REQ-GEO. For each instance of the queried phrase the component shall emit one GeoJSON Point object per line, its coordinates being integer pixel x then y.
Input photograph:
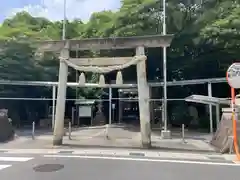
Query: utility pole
{"type": "Point", "coordinates": [64, 20]}
{"type": "Point", "coordinates": [165, 132]}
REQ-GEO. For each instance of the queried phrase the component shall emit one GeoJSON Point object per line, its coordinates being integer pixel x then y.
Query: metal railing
{"type": "Point", "coordinates": [151, 84]}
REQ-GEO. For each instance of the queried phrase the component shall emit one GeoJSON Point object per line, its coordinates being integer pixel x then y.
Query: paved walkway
{"type": "Point", "coordinates": [118, 137]}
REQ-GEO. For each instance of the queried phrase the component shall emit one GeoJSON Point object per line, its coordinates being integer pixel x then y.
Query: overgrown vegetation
{"type": "Point", "coordinates": [206, 42]}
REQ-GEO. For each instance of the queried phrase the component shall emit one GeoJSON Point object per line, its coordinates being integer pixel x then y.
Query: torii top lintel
{"type": "Point", "coordinates": [108, 43]}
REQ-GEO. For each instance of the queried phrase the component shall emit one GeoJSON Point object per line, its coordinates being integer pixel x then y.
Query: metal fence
{"type": "Point", "coordinates": [178, 109]}
{"type": "Point", "coordinates": [115, 110]}
{"type": "Point", "coordinates": [180, 112]}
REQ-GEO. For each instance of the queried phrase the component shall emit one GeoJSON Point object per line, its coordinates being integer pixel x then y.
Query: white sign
{"type": "Point", "coordinates": [2, 114]}
{"type": "Point", "coordinates": [233, 75]}
{"type": "Point", "coordinates": [85, 111]}
{"type": "Point", "coordinates": [113, 106]}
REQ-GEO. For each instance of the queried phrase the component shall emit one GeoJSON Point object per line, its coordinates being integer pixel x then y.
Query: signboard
{"type": "Point", "coordinates": [3, 112]}
{"type": "Point", "coordinates": [85, 111]}
{"type": "Point", "coordinates": [233, 75]}
{"type": "Point", "coordinates": [206, 100]}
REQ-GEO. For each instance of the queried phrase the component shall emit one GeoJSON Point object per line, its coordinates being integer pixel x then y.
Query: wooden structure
{"type": "Point", "coordinates": [128, 105]}
{"type": "Point", "coordinates": [84, 112]}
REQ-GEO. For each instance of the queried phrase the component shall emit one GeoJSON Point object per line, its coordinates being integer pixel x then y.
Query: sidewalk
{"type": "Point", "coordinates": [45, 141]}
{"type": "Point", "coordinates": [116, 136]}
{"type": "Point", "coordinates": [111, 152]}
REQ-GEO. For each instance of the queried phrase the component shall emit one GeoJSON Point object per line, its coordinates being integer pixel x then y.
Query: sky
{"type": "Point", "coordinates": [53, 9]}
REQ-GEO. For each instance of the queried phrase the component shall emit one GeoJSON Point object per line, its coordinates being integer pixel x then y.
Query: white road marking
{"type": "Point", "coordinates": [17, 159]}
{"type": "Point", "coordinates": [12, 159]}
{"type": "Point", "coordinates": [116, 152]}
{"type": "Point", "coordinates": [4, 166]}
{"type": "Point", "coordinates": [141, 159]}
{"type": "Point", "coordinates": [32, 151]}
{"type": "Point", "coordinates": [150, 154]}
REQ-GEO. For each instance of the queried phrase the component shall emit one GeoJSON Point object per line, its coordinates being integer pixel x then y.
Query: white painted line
{"type": "Point", "coordinates": [182, 156]}
{"type": "Point", "coordinates": [18, 159]}
{"type": "Point", "coordinates": [148, 154]}
{"type": "Point", "coordinates": [115, 152]}
{"type": "Point", "coordinates": [102, 152]}
{"type": "Point", "coordinates": [140, 159]}
{"type": "Point", "coordinates": [32, 151]}
{"type": "Point", "coordinates": [4, 166]}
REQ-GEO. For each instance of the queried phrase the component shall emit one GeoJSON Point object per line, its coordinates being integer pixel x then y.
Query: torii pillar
{"type": "Point", "coordinates": [143, 100]}
{"type": "Point", "coordinates": [137, 42]}
{"type": "Point", "coordinates": [61, 97]}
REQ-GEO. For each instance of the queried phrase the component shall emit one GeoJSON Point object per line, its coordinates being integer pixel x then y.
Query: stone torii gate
{"type": "Point", "coordinates": [98, 65]}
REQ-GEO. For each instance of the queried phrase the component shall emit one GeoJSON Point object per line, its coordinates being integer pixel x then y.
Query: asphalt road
{"type": "Point", "coordinates": [68, 167]}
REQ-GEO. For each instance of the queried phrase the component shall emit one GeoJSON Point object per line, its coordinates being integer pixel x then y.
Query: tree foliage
{"type": "Point", "coordinates": [206, 39]}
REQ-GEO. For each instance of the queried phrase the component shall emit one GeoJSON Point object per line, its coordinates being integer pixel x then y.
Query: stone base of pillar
{"type": "Point", "coordinates": [146, 145]}
{"type": "Point", "coordinates": [166, 134]}
{"type": "Point", "coordinates": [57, 142]}
{"type": "Point", "coordinates": [65, 132]}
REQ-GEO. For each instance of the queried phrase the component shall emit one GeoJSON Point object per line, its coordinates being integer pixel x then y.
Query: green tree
{"type": "Point", "coordinates": [206, 41]}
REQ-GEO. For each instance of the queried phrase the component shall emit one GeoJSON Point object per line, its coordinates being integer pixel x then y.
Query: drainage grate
{"type": "Point", "coordinates": [136, 154]}
{"type": "Point", "coordinates": [65, 152]}
{"type": "Point", "coordinates": [48, 167]}
{"type": "Point", "coordinates": [216, 158]}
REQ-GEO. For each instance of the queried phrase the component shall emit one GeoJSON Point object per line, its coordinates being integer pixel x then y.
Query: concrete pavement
{"type": "Point", "coordinates": [37, 159]}
{"type": "Point", "coordinates": [9, 161]}
{"type": "Point", "coordinates": [119, 136]}
{"type": "Point", "coordinates": [93, 167]}
{"type": "Point", "coordinates": [121, 153]}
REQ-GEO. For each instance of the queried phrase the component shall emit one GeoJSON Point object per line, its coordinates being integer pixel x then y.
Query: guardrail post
{"type": "Point", "coordinates": [69, 130]}
{"type": "Point", "coordinates": [183, 133]}
{"type": "Point", "coordinates": [33, 130]}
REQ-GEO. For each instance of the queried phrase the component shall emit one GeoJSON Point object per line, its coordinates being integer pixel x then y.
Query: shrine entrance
{"type": "Point", "coordinates": [103, 65]}
{"type": "Point", "coordinates": [128, 106]}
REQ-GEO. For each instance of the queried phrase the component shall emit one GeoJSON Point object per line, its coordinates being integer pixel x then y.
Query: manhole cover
{"type": "Point", "coordinates": [136, 154]}
{"type": "Point", "coordinates": [48, 167]}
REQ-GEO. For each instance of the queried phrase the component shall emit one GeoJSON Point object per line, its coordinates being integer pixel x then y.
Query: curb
{"type": "Point", "coordinates": [152, 148]}
{"type": "Point", "coordinates": [108, 153]}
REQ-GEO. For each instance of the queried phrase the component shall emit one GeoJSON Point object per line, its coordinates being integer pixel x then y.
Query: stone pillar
{"type": "Point", "coordinates": [61, 98]}
{"type": "Point", "coordinates": [143, 100]}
